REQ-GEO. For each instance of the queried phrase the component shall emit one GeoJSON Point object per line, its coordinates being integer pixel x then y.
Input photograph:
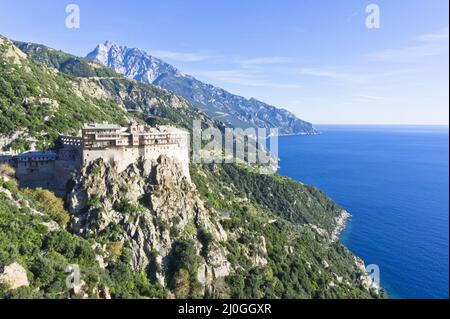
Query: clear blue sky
{"type": "Point", "coordinates": [315, 58]}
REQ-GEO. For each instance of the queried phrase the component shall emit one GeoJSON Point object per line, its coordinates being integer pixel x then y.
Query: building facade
{"type": "Point", "coordinates": [49, 169]}
{"type": "Point", "coordinates": [124, 146]}
{"type": "Point", "coordinates": [112, 143]}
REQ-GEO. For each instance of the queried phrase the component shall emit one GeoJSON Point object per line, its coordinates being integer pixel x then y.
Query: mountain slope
{"type": "Point", "coordinates": [157, 105]}
{"type": "Point", "coordinates": [233, 110]}
{"type": "Point", "coordinates": [228, 244]}
{"type": "Point", "coordinates": [37, 102]}
{"type": "Point", "coordinates": [32, 241]}
{"type": "Point", "coordinates": [147, 232]}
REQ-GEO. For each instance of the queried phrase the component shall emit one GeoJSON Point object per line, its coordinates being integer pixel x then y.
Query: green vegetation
{"type": "Point", "coordinates": [127, 284]}
{"type": "Point", "coordinates": [144, 102]}
{"type": "Point", "coordinates": [94, 201]}
{"type": "Point", "coordinates": [126, 207]}
{"type": "Point", "coordinates": [205, 238]}
{"type": "Point", "coordinates": [300, 262]}
{"type": "Point", "coordinates": [48, 203]}
{"type": "Point", "coordinates": [45, 255]}
{"type": "Point", "coordinates": [270, 216]}
{"type": "Point", "coordinates": [64, 62]}
{"type": "Point", "coordinates": [183, 270]}
{"type": "Point", "coordinates": [280, 195]}
{"type": "Point", "coordinates": [39, 103]}
{"type": "Point", "coordinates": [299, 274]}
{"type": "Point", "coordinates": [115, 249]}
{"type": "Point", "coordinates": [43, 104]}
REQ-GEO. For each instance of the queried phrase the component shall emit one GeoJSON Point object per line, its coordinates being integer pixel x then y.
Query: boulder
{"type": "Point", "coordinates": [15, 276]}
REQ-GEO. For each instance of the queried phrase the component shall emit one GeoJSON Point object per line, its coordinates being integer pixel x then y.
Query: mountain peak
{"type": "Point", "coordinates": [217, 103]}
{"type": "Point", "coordinates": [132, 62]}
{"type": "Point", "coordinates": [109, 44]}
{"type": "Point", "coordinates": [112, 45]}
{"type": "Point", "coordinates": [102, 52]}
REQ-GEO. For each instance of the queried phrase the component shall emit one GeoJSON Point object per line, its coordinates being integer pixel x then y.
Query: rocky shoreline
{"type": "Point", "coordinates": [365, 279]}
{"type": "Point", "coordinates": [371, 284]}
{"type": "Point", "coordinates": [341, 221]}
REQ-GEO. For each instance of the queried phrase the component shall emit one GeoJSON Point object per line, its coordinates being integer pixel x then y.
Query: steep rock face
{"type": "Point", "coordinates": [129, 62]}
{"type": "Point", "coordinates": [235, 111]}
{"type": "Point", "coordinates": [150, 206]}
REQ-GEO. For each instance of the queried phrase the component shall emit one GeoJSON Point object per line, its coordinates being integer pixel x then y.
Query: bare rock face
{"type": "Point", "coordinates": [364, 278]}
{"type": "Point", "coordinates": [15, 276]}
{"type": "Point", "coordinates": [152, 205]}
{"type": "Point", "coordinates": [260, 253]}
{"type": "Point", "coordinates": [12, 51]}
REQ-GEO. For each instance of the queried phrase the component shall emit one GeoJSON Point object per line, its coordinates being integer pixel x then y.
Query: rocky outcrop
{"type": "Point", "coordinates": [12, 52]}
{"type": "Point", "coordinates": [366, 280]}
{"type": "Point", "coordinates": [258, 255]}
{"type": "Point", "coordinates": [340, 222]}
{"type": "Point", "coordinates": [14, 276]}
{"type": "Point", "coordinates": [153, 205]}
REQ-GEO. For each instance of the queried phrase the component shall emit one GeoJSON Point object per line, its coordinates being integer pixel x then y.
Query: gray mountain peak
{"type": "Point", "coordinates": [236, 111]}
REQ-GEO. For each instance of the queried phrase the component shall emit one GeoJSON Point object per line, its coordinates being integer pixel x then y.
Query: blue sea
{"type": "Point", "coordinates": [394, 180]}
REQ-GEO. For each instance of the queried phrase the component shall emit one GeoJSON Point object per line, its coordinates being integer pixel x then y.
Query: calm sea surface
{"type": "Point", "coordinates": [394, 180]}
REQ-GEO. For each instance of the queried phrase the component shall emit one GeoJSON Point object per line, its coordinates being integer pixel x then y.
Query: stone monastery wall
{"type": "Point", "coordinates": [124, 156]}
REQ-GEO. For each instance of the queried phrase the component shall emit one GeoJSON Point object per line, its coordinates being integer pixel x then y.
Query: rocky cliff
{"type": "Point", "coordinates": [148, 232]}
{"type": "Point", "coordinates": [149, 207]}
{"type": "Point", "coordinates": [195, 244]}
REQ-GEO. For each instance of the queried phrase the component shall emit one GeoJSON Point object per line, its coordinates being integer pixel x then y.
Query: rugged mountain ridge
{"type": "Point", "coordinates": [236, 111]}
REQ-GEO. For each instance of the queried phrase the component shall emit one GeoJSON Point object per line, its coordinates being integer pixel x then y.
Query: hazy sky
{"type": "Point", "coordinates": [315, 58]}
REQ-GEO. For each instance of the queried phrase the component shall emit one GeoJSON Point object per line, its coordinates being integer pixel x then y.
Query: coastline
{"type": "Point", "coordinates": [300, 134]}
{"type": "Point", "coordinates": [366, 280]}
{"type": "Point", "coordinates": [366, 276]}
{"type": "Point", "coordinates": [341, 222]}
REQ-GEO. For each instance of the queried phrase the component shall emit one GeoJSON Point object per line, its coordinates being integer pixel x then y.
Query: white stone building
{"type": "Point", "coordinates": [124, 146]}
{"type": "Point", "coordinates": [112, 143]}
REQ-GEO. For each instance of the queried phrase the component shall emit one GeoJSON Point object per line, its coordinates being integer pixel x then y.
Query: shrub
{"type": "Point", "coordinates": [183, 268]}
{"type": "Point", "coordinates": [205, 239]}
{"type": "Point", "coordinates": [94, 202]}
{"type": "Point", "coordinates": [61, 242]}
{"type": "Point", "coordinates": [47, 202]}
{"type": "Point", "coordinates": [7, 170]}
{"type": "Point", "coordinates": [126, 207]}
{"type": "Point", "coordinates": [181, 284]}
{"type": "Point", "coordinates": [115, 249]}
